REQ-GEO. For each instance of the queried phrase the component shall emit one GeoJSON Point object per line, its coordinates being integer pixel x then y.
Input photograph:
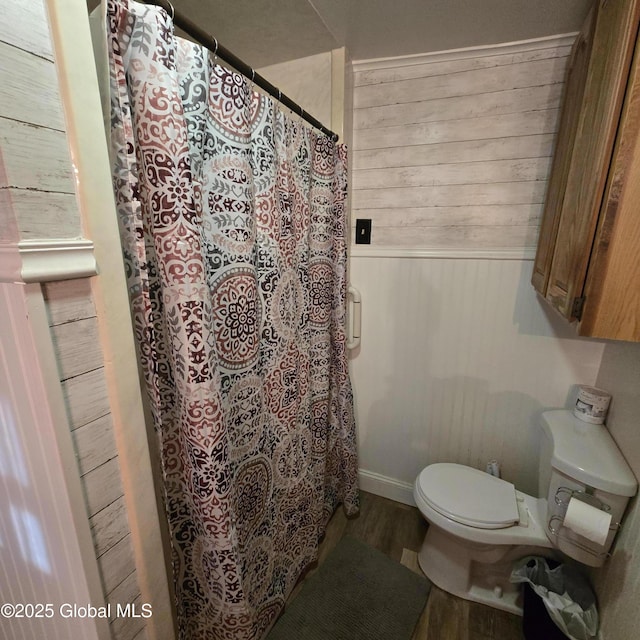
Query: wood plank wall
{"type": "Point", "coordinates": [37, 192]}
{"type": "Point", "coordinates": [74, 328]}
{"type": "Point", "coordinates": [36, 175]}
{"type": "Point", "coordinates": [456, 152]}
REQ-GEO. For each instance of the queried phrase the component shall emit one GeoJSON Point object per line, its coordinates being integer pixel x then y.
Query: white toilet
{"type": "Point", "coordinates": [479, 525]}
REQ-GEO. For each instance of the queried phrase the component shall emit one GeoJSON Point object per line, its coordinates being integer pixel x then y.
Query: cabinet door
{"type": "Point", "coordinates": [613, 41]}
{"type": "Point", "coordinates": [612, 307]}
{"type": "Point", "coordinates": [576, 78]}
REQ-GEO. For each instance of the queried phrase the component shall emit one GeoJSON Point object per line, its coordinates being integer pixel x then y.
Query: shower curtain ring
{"type": "Point", "coordinates": [215, 51]}
{"type": "Point", "coordinates": [173, 11]}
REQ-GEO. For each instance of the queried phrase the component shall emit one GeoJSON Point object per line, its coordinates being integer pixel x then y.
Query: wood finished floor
{"type": "Point", "coordinates": [396, 530]}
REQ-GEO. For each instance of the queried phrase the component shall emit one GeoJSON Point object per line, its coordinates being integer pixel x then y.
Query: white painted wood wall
{"type": "Point", "coordinates": [38, 201]}
{"type": "Point", "coordinates": [617, 584]}
{"type": "Point", "coordinates": [458, 356]}
{"type": "Point", "coordinates": [306, 81]}
{"type": "Point", "coordinates": [321, 85]}
{"type": "Point", "coordinates": [454, 149]}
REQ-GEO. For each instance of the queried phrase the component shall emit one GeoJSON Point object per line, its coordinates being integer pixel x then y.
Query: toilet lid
{"type": "Point", "coordinates": [469, 496]}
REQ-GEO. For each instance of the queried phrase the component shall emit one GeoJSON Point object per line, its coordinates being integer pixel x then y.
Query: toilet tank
{"type": "Point", "coordinates": [581, 460]}
{"type": "Point", "coordinates": [544, 462]}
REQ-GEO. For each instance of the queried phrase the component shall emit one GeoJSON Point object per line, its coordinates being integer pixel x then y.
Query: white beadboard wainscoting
{"type": "Point", "coordinates": [45, 545]}
{"type": "Point", "coordinates": [457, 360]}
{"type": "Point", "coordinates": [453, 149]}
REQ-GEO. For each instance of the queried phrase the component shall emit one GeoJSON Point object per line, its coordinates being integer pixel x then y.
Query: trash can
{"type": "Point", "coordinates": [558, 601]}
{"type": "Point", "coordinates": [536, 622]}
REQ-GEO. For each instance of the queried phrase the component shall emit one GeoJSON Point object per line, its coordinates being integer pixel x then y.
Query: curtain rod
{"type": "Point", "coordinates": [212, 44]}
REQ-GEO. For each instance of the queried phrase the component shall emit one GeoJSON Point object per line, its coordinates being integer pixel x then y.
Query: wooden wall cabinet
{"type": "Point", "coordinates": [587, 263]}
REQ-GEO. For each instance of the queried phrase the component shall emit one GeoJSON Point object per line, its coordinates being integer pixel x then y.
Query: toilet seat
{"type": "Point", "coordinates": [468, 496]}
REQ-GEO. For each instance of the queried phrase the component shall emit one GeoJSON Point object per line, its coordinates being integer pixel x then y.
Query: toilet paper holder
{"type": "Point", "coordinates": [564, 495]}
{"type": "Point", "coordinates": [557, 522]}
{"type": "Point", "coordinates": [562, 498]}
{"type": "Point", "coordinates": [555, 527]}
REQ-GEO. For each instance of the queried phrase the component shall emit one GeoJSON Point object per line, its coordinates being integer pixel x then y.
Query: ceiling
{"type": "Point", "coordinates": [264, 32]}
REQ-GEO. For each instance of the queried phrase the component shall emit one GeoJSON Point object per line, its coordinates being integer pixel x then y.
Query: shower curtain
{"type": "Point", "coordinates": [233, 232]}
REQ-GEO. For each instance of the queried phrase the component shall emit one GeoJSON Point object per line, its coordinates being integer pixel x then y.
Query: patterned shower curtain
{"type": "Point", "coordinates": [233, 232]}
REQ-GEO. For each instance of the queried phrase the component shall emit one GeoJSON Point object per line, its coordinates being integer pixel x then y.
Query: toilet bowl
{"type": "Point", "coordinates": [480, 525]}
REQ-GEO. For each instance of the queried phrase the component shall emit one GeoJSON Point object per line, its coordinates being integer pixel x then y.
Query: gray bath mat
{"type": "Point", "coordinates": [358, 593]}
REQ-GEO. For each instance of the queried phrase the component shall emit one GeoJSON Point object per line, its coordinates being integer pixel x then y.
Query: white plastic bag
{"type": "Point", "coordinates": [566, 595]}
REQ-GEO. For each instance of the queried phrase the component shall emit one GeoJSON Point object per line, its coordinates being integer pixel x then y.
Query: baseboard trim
{"type": "Point", "coordinates": [386, 487]}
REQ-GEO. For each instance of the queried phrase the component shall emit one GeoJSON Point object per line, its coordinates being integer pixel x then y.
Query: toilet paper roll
{"type": "Point", "coordinates": [588, 521]}
{"type": "Point", "coordinates": [592, 404]}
